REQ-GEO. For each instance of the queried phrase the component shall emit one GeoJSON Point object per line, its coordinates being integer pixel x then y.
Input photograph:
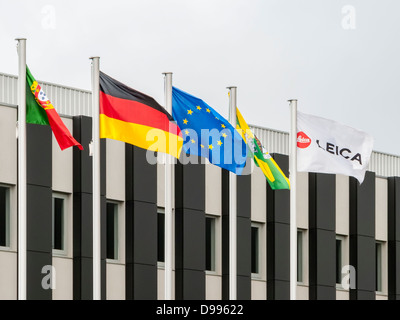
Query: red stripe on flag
{"type": "Point", "coordinates": [60, 131]}
{"type": "Point", "coordinates": [135, 112]}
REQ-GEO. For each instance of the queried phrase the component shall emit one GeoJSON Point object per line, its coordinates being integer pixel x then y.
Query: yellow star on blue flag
{"type": "Point", "coordinates": [206, 127]}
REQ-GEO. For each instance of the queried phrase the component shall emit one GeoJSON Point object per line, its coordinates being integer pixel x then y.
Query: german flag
{"type": "Point", "coordinates": [130, 116]}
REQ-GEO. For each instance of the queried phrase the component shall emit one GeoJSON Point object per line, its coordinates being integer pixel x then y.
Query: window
{"type": "Point", "coordinates": [4, 216]}
{"type": "Point", "coordinates": [339, 260]}
{"type": "Point", "coordinates": [210, 244]}
{"type": "Point", "coordinates": [300, 257]}
{"type": "Point", "coordinates": [112, 230]}
{"type": "Point", "coordinates": [378, 266]}
{"type": "Point", "coordinates": [255, 249]}
{"type": "Point", "coordinates": [58, 223]}
{"type": "Point", "coordinates": [160, 235]}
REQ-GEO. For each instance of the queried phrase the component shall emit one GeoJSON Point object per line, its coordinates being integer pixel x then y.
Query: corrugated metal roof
{"type": "Point", "coordinates": [67, 100]}
{"type": "Point", "coordinates": [72, 101]}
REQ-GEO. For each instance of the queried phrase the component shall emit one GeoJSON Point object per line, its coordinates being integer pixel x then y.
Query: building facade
{"type": "Point", "coordinates": [348, 234]}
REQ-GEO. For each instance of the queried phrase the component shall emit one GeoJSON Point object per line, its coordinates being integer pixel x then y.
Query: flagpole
{"type": "Point", "coordinates": [168, 197]}
{"type": "Point", "coordinates": [96, 179]}
{"type": "Point", "coordinates": [22, 219]}
{"type": "Point", "coordinates": [232, 208]}
{"type": "Point", "coordinates": [293, 199]}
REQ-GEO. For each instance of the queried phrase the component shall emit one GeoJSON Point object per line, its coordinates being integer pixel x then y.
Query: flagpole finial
{"type": "Point", "coordinates": [231, 87]}
{"type": "Point", "coordinates": [18, 39]}
{"type": "Point", "coordinates": [167, 73]}
{"type": "Point", "coordinates": [94, 57]}
{"type": "Point", "coordinates": [290, 100]}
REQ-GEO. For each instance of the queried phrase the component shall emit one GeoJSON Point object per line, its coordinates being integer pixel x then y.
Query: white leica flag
{"type": "Point", "coordinates": [327, 146]}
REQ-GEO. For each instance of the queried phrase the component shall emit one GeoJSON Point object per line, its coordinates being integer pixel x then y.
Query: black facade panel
{"type": "Point", "coordinates": [190, 239]}
{"type": "Point", "coordinates": [322, 293]}
{"type": "Point", "coordinates": [326, 258]}
{"type": "Point", "coordinates": [244, 248]}
{"type": "Point", "coordinates": [362, 295]}
{"type": "Point", "coordinates": [129, 232]}
{"type": "Point", "coordinates": [83, 211]}
{"type": "Point", "coordinates": [278, 252]}
{"type": "Point", "coordinates": [83, 278]}
{"type": "Point", "coordinates": [39, 155]}
{"type": "Point", "coordinates": [145, 233]}
{"type": "Point", "coordinates": [140, 173]}
{"type": "Point", "coordinates": [366, 263]}
{"type": "Point", "coordinates": [145, 282]}
{"type": "Point", "coordinates": [362, 236]}
{"type": "Point", "coordinates": [243, 288]}
{"type": "Point", "coordinates": [394, 238]}
{"type": "Point", "coordinates": [39, 219]}
{"type": "Point", "coordinates": [145, 177]}
{"type": "Point", "coordinates": [322, 258]}
{"type": "Point", "coordinates": [362, 206]}
{"type": "Point", "coordinates": [190, 285]}
{"type": "Point", "coordinates": [190, 186]}
{"type": "Point", "coordinates": [129, 274]}
{"type": "Point", "coordinates": [243, 224]}
{"type": "Point", "coordinates": [82, 132]}
{"type": "Point", "coordinates": [278, 201]}
{"type": "Point", "coordinates": [243, 198]}
{"type": "Point", "coordinates": [322, 201]}
{"type": "Point", "coordinates": [83, 240]}
{"type": "Point", "coordinates": [36, 261]}
{"type": "Point", "coordinates": [278, 290]}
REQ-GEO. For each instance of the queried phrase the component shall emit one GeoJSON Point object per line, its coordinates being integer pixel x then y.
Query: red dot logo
{"type": "Point", "coordinates": [303, 141]}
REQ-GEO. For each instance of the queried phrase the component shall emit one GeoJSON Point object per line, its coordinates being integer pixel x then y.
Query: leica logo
{"type": "Point", "coordinates": [303, 141]}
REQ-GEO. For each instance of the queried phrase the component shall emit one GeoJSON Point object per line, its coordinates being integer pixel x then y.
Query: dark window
{"type": "Point", "coordinates": [338, 261]}
{"type": "Point", "coordinates": [210, 244]}
{"type": "Point", "coordinates": [112, 231]}
{"type": "Point", "coordinates": [299, 256]}
{"type": "Point", "coordinates": [58, 223]}
{"type": "Point", "coordinates": [161, 237]}
{"type": "Point", "coordinates": [254, 250]}
{"type": "Point", "coordinates": [4, 216]}
{"type": "Point", "coordinates": [378, 266]}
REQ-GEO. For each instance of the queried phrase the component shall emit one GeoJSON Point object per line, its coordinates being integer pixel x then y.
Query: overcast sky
{"type": "Point", "coordinates": [340, 59]}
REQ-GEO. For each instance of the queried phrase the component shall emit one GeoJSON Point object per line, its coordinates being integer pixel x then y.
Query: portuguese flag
{"type": "Point", "coordinates": [275, 177]}
{"type": "Point", "coordinates": [39, 110]}
{"type": "Point", "coordinates": [130, 116]}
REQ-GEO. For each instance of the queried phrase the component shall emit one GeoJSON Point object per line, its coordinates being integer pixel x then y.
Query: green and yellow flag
{"type": "Point", "coordinates": [276, 178]}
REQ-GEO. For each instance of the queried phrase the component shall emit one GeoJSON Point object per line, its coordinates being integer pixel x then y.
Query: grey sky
{"type": "Point", "coordinates": [272, 50]}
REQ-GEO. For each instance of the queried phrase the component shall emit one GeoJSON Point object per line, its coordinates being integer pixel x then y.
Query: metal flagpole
{"type": "Point", "coordinates": [22, 270]}
{"type": "Point", "coordinates": [168, 197]}
{"type": "Point", "coordinates": [232, 209]}
{"type": "Point", "coordinates": [293, 199]}
{"type": "Point", "coordinates": [96, 179]}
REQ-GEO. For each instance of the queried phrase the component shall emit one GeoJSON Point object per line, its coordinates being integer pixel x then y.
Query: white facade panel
{"type": "Point", "coordinates": [115, 285]}
{"type": "Point", "coordinates": [115, 171]}
{"type": "Point", "coordinates": [213, 287]}
{"type": "Point", "coordinates": [258, 196]}
{"type": "Point", "coordinates": [8, 145]}
{"type": "Point", "coordinates": [381, 209]}
{"type": "Point", "coordinates": [8, 275]}
{"type": "Point", "coordinates": [342, 204]}
{"type": "Point", "coordinates": [258, 290]}
{"type": "Point", "coordinates": [64, 278]}
{"type": "Point", "coordinates": [62, 163]}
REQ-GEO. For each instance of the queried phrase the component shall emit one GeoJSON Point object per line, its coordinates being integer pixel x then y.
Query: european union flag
{"type": "Point", "coordinates": [206, 133]}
